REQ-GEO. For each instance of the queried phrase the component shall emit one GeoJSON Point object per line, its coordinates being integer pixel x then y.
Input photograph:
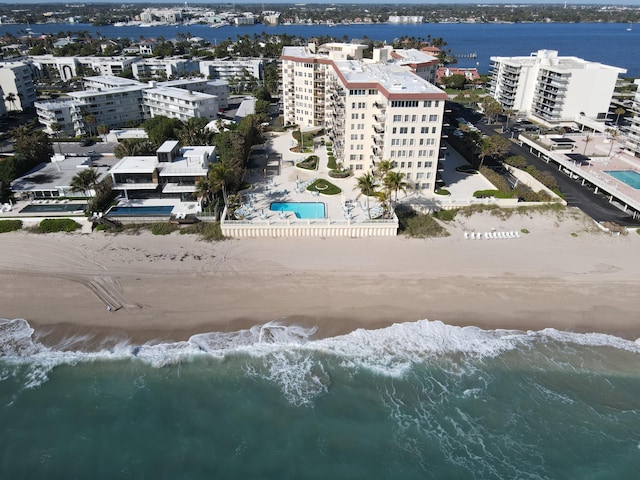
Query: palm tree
{"type": "Point", "coordinates": [395, 181]}
{"type": "Point", "coordinates": [220, 176]}
{"type": "Point", "coordinates": [613, 133]}
{"type": "Point", "coordinates": [103, 130]}
{"type": "Point", "coordinates": [619, 111]}
{"type": "Point", "coordinates": [587, 139]}
{"type": "Point", "coordinates": [11, 98]}
{"type": "Point", "coordinates": [90, 122]}
{"type": "Point", "coordinates": [203, 190]}
{"type": "Point", "coordinates": [366, 183]}
{"type": "Point", "coordinates": [383, 167]}
{"type": "Point", "coordinates": [84, 181]}
{"type": "Point", "coordinates": [128, 147]}
{"type": "Point", "coordinates": [56, 128]}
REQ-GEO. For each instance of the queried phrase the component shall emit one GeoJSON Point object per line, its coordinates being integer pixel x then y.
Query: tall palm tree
{"type": "Point", "coordinates": [395, 182]}
{"type": "Point", "coordinates": [383, 167]}
{"type": "Point", "coordinates": [366, 183]}
{"type": "Point", "coordinates": [203, 190]}
{"type": "Point", "coordinates": [619, 111]}
{"type": "Point", "coordinates": [11, 98]}
{"type": "Point", "coordinates": [220, 176]}
{"type": "Point", "coordinates": [587, 139]}
{"type": "Point", "coordinates": [90, 122]}
{"type": "Point", "coordinates": [84, 181]}
{"type": "Point", "coordinates": [613, 133]}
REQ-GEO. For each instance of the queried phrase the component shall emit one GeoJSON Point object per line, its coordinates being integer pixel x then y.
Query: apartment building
{"type": "Point", "coordinates": [65, 68]}
{"type": "Point", "coordinates": [227, 69]}
{"type": "Point", "coordinates": [16, 83]}
{"type": "Point", "coordinates": [162, 68]}
{"type": "Point", "coordinates": [172, 173]}
{"type": "Point", "coordinates": [553, 89]}
{"type": "Point", "coordinates": [178, 103]}
{"type": "Point", "coordinates": [372, 110]}
{"type": "Point", "coordinates": [116, 101]}
{"type": "Point", "coordinates": [169, 15]}
{"type": "Point", "coordinates": [633, 131]}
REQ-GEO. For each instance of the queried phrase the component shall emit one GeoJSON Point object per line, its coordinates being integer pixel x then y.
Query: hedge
{"type": "Point", "coordinates": [53, 225]}
{"type": "Point", "coordinates": [10, 225]}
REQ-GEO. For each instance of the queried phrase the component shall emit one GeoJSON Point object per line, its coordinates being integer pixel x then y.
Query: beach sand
{"type": "Point", "coordinates": [564, 274]}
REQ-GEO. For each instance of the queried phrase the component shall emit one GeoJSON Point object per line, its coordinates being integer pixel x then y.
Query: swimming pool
{"type": "Point", "coordinates": [144, 211]}
{"type": "Point", "coordinates": [301, 209]}
{"type": "Point", "coordinates": [54, 208]}
{"type": "Point", "coordinates": [630, 177]}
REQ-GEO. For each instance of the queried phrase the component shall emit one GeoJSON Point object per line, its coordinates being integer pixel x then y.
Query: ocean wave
{"type": "Point", "coordinates": [290, 356]}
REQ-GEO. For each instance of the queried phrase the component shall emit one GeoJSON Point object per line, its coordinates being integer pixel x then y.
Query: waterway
{"type": "Point", "coordinates": [608, 43]}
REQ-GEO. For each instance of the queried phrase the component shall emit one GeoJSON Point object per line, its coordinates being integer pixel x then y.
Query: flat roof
{"type": "Point", "coordinates": [54, 175]}
{"type": "Point", "coordinates": [394, 78]}
{"type": "Point", "coordinates": [179, 93]}
{"type": "Point", "coordinates": [143, 164]}
{"type": "Point", "coordinates": [167, 146]}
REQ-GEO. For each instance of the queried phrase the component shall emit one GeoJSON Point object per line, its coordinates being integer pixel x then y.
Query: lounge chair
{"type": "Point", "coordinates": [466, 235]}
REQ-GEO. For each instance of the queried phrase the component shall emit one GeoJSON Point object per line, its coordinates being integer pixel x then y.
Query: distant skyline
{"type": "Point", "coordinates": [631, 3]}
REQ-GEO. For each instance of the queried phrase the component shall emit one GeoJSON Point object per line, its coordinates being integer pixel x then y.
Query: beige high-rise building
{"type": "Point", "coordinates": [372, 109]}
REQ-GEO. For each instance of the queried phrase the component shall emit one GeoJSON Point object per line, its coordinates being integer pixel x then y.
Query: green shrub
{"type": "Point", "coordinates": [309, 163]}
{"type": "Point", "coordinates": [339, 173]}
{"type": "Point", "coordinates": [325, 187]}
{"type": "Point", "coordinates": [418, 225]}
{"type": "Point", "coordinates": [163, 228]}
{"type": "Point", "coordinates": [516, 161]}
{"type": "Point", "coordinates": [331, 163]}
{"type": "Point", "coordinates": [52, 225]}
{"type": "Point", "coordinates": [209, 231]}
{"type": "Point", "coordinates": [10, 225]}
{"type": "Point", "coordinates": [524, 230]}
{"type": "Point", "coordinates": [491, 193]}
{"type": "Point", "coordinates": [445, 215]}
{"type": "Point", "coordinates": [442, 191]}
{"type": "Point", "coordinates": [466, 169]}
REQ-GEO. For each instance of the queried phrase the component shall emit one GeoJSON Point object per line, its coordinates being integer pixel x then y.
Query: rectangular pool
{"type": "Point", "coordinates": [54, 208]}
{"type": "Point", "coordinates": [630, 177]}
{"type": "Point", "coordinates": [144, 211]}
{"type": "Point", "coordinates": [301, 209]}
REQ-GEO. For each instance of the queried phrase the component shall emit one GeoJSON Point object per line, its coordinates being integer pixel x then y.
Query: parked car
{"type": "Point", "coordinates": [85, 142]}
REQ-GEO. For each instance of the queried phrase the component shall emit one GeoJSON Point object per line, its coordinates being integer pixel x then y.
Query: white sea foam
{"type": "Point", "coordinates": [293, 359]}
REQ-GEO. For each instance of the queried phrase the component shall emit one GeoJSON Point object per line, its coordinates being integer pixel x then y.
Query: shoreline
{"type": "Point", "coordinates": [564, 275]}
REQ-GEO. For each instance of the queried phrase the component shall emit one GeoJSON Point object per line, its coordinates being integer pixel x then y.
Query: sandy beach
{"type": "Point", "coordinates": [564, 274]}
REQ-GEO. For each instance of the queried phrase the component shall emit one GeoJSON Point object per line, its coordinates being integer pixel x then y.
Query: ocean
{"type": "Point", "coordinates": [416, 400]}
{"type": "Point", "coordinates": [608, 43]}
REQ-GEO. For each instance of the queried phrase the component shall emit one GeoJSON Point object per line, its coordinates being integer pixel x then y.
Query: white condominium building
{"type": "Point", "coordinates": [633, 131]}
{"type": "Point", "coordinates": [372, 109]}
{"type": "Point", "coordinates": [17, 84]}
{"type": "Point", "coordinates": [551, 88]}
{"type": "Point", "coordinates": [178, 103]}
{"type": "Point", "coordinates": [65, 68]}
{"type": "Point", "coordinates": [116, 102]}
{"type": "Point", "coordinates": [227, 69]}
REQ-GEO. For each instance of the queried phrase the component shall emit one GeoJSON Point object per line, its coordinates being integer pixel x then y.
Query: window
{"type": "Point", "coordinates": [427, 103]}
{"type": "Point", "coordinates": [433, 118]}
{"type": "Point", "coordinates": [397, 118]}
{"type": "Point", "coordinates": [404, 130]}
{"type": "Point", "coordinates": [424, 130]}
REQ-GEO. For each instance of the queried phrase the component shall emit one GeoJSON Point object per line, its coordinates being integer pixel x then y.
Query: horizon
{"type": "Point", "coordinates": [627, 3]}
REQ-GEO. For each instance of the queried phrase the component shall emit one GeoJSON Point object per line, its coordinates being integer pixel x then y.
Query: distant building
{"type": "Point", "coordinates": [406, 19]}
{"type": "Point", "coordinates": [372, 110]}
{"type": "Point", "coordinates": [178, 103]}
{"type": "Point", "coordinates": [470, 74]}
{"type": "Point", "coordinates": [229, 69]}
{"type": "Point", "coordinates": [17, 83]}
{"type": "Point", "coordinates": [66, 68]}
{"type": "Point", "coordinates": [551, 88]}
{"type": "Point", "coordinates": [162, 68]}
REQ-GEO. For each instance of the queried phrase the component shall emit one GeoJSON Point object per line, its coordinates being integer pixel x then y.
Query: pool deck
{"type": "Point", "coordinates": [603, 154]}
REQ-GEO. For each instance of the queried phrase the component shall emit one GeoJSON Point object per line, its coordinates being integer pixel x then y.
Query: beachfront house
{"type": "Point", "coordinates": [172, 173]}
